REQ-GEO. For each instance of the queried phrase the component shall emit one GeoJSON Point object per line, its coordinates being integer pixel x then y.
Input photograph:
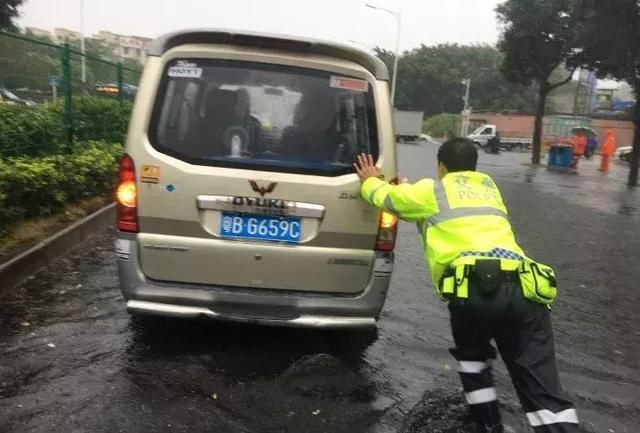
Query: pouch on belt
{"type": "Point", "coordinates": [538, 282]}
{"type": "Point", "coordinates": [488, 276]}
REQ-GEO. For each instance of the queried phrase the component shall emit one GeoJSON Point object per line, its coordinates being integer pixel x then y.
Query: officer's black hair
{"type": "Point", "coordinates": [458, 154]}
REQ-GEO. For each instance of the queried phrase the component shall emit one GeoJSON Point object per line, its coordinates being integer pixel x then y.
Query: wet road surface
{"type": "Point", "coordinates": [72, 360]}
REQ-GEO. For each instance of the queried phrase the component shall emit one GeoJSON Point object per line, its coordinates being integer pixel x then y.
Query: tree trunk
{"type": "Point", "coordinates": [635, 155]}
{"type": "Point", "coordinates": [537, 130]}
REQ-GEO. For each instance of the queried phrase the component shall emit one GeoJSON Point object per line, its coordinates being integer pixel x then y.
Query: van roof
{"type": "Point", "coordinates": [264, 40]}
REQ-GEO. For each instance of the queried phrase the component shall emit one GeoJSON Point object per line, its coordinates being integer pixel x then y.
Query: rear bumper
{"type": "Point", "coordinates": [248, 305]}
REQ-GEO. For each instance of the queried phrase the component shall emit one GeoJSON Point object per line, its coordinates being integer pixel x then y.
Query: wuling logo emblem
{"type": "Point", "coordinates": [262, 190]}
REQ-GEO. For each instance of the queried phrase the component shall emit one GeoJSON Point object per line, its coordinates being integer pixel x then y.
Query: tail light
{"type": "Point", "coordinates": [387, 232]}
{"type": "Point", "coordinates": [127, 196]}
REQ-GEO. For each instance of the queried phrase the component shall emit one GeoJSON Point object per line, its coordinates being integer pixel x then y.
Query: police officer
{"type": "Point", "coordinates": [493, 290]}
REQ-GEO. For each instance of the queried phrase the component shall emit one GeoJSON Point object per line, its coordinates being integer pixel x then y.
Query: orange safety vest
{"type": "Point", "coordinates": [609, 146]}
{"type": "Point", "coordinates": [579, 144]}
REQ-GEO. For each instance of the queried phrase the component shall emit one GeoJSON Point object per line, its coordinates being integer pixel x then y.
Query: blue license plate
{"type": "Point", "coordinates": [266, 228]}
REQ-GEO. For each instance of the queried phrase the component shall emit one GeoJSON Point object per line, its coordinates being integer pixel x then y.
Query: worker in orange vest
{"type": "Point", "coordinates": [608, 148]}
{"type": "Point", "coordinates": [579, 145]}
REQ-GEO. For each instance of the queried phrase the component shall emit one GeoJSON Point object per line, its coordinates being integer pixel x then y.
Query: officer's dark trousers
{"type": "Point", "coordinates": [522, 331]}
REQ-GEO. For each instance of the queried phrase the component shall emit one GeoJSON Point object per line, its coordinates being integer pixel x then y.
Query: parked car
{"type": "Point", "coordinates": [508, 140]}
{"type": "Point", "coordinates": [237, 197]}
{"type": "Point", "coordinates": [624, 153]}
{"type": "Point", "coordinates": [7, 97]}
{"type": "Point", "coordinates": [426, 138]}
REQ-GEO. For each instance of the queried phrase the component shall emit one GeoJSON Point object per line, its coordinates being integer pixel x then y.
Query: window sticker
{"type": "Point", "coordinates": [349, 84]}
{"type": "Point", "coordinates": [184, 69]}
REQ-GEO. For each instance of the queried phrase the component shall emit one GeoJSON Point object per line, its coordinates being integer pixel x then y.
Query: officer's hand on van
{"type": "Point", "coordinates": [399, 180]}
{"type": "Point", "coordinates": [365, 167]}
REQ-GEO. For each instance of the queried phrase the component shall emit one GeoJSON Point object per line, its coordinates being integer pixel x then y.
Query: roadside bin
{"type": "Point", "coordinates": [560, 156]}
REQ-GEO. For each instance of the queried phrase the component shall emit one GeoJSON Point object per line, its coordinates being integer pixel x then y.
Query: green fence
{"type": "Point", "coordinates": [36, 72]}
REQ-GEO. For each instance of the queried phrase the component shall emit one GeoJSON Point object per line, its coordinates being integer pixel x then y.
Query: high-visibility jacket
{"type": "Point", "coordinates": [460, 216]}
{"type": "Point", "coordinates": [609, 146]}
{"type": "Point", "coordinates": [579, 144]}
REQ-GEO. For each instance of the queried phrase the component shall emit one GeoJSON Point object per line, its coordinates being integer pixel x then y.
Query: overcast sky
{"type": "Point", "coordinates": [424, 21]}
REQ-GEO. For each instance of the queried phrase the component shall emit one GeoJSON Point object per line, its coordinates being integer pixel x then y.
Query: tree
{"type": "Point", "coordinates": [429, 80]}
{"type": "Point", "coordinates": [538, 38]}
{"type": "Point", "coordinates": [608, 35]}
{"type": "Point", "coordinates": [8, 12]}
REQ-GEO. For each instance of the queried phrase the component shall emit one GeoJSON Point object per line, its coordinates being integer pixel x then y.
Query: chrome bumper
{"type": "Point", "coordinates": [155, 308]}
{"type": "Point", "coordinates": [266, 307]}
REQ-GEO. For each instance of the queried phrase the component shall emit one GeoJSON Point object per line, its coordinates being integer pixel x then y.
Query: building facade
{"type": "Point", "coordinates": [41, 33]}
{"type": "Point", "coordinates": [122, 46]}
{"type": "Point", "coordinates": [62, 35]}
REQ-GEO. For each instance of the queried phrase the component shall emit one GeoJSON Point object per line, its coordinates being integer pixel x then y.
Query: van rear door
{"type": "Point", "coordinates": [255, 182]}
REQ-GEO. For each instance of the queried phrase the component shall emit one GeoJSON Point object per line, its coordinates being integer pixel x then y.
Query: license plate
{"type": "Point", "coordinates": [266, 228]}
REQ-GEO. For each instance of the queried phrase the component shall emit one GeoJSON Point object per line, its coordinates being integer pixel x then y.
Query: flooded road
{"type": "Point", "coordinates": [72, 360]}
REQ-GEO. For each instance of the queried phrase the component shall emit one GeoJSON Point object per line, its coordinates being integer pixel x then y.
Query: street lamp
{"type": "Point", "coordinates": [398, 16]}
{"type": "Point", "coordinates": [82, 47]}
{"type": "Point", "coordinates": [466, 111]}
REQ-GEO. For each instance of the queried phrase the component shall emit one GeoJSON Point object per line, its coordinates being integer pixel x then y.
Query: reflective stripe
{"type": "Point", "coordinates": [465, 212]}
{"type": "Point", "coordinates": [441, 197]}
{"type": "Point", "coordinates": [546, 417]}
{"type": "Point", "coordinates": [372, 193]}
{"type": "Point", "coordinates": [473, 366]}
{"type": "Point", "coordinates": [480, 396]}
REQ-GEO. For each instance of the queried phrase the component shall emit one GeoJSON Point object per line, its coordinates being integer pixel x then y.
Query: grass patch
{"type": "Point", "coordinates": [27, 233]}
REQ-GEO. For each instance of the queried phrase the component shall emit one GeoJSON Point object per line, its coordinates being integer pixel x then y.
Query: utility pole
{"type": "Point", "coordinates": [466, 111]}
{"type": "Point", "coordinates": [398, 16]}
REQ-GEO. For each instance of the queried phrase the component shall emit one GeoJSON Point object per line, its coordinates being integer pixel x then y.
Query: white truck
{"type": "Point", "coordinates": [408, 125]}
{"type": "Point", "coordinates": [508, 140]}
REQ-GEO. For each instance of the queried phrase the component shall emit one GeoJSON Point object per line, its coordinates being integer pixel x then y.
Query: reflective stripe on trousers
{"type": "Point", "coordinates": [547, 421]}
{"type": "Point", "coordinates": [526, 346]}
{"type": "Point", "coordinates": [480, 396]}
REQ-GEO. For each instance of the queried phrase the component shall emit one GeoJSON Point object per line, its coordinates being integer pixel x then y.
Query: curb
{"type": "Point", "coordinates": [41, 255]}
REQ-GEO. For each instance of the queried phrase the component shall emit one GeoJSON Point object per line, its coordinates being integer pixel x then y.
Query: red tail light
{"type": "Point", "coordinates": [127, 196]}
{"type": "Point", "coordinates": [387, 232]}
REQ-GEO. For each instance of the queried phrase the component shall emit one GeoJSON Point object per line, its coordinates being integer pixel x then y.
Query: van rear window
{"type": "Point", "coordinates": [263, 117]}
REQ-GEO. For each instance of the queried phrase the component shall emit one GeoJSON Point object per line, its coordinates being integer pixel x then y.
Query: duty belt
{"type": "Point", "coordinates": [490, 269]}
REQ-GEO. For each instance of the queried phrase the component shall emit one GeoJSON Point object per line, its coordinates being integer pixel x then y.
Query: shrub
{"type": "Point", "coordinates": [33, 187]}
{"type": "Point", "coordinates": [96, 118]}
{"type": "Point", "coordinates": [442, 125]}
{"type": "Point", "coordinates": [39, 131]}
{"type": "Point", "coordinates": [29, 131]}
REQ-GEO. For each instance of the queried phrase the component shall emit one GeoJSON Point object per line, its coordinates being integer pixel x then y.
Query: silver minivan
{"type": "Point", "coordinates": [237, 198]}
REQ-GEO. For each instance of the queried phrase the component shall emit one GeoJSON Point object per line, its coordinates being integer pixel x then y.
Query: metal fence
{"type": "Point", "coordinates": [34, 71]}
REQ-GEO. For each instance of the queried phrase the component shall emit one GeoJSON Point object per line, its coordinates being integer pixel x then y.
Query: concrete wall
{"type": "Point", "coordinates": [506, 123]}
{"type": "Point", "coordinates": [623, 130]}
{"type": "Point", "coordinates": [523, 124]}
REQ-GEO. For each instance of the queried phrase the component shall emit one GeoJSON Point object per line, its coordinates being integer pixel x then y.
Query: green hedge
{"type": "Point", "coordinates": [39, 130]}
{"type": "Point", "coordinates": [33, 187]}
{"type": "Point", "coordinates": [29, 130]}
{"type": "Point", "coordinates": [97, 118]}
{"type": "Point", "coordinates": [442, 125]}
